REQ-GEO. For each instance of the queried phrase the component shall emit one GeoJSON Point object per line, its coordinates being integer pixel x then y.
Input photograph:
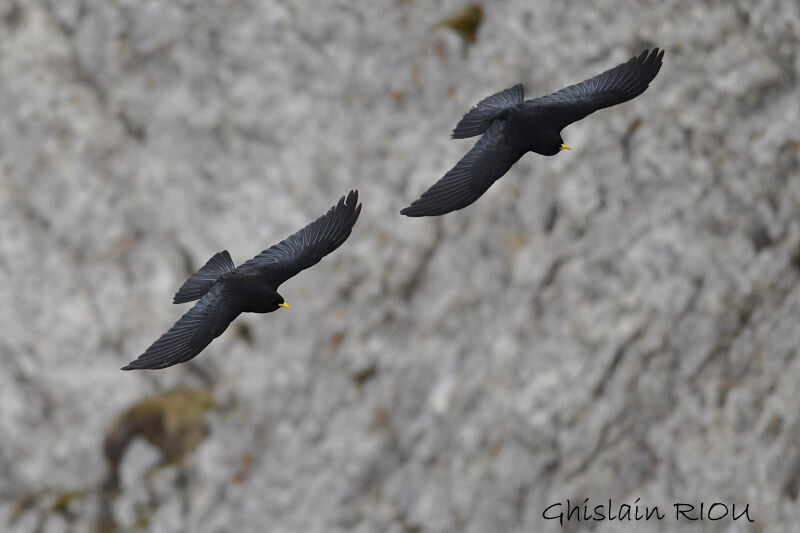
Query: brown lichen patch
{"type": "Point", "coordinates": [174, 422]}
{"type": "Point", "coordinates": [335, 342]}
{"type": "Point", "coordinates": [244, 469]}
{"type": "Point", "coordinates": [465, 23]}
{"type": "Point", "coordinates": [64, 504]}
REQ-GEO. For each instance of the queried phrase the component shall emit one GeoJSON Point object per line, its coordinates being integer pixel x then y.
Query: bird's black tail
{"type": "Point", "coordinates": [478, 119]}
{"type": "Point", "coordinates": [198, 284]}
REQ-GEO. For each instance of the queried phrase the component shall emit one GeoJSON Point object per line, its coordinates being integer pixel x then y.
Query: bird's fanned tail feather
{"type": "Point", "coordinates": [198, 283]}
{"type": "Point", "coordinates": [478, 119]}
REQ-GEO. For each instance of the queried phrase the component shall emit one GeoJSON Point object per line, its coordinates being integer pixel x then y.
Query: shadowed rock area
{"type": "Point", "coordinates": [616, 322]}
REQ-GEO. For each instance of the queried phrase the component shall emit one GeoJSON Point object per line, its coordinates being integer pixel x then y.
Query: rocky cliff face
{"type": "Point", "coordinates": [617, 322]}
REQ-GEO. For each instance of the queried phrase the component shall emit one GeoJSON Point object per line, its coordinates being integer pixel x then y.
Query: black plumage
{"type": "Point", "coordinates": [226, 291]}
{"type": "Point", "coordinates": [511, 127]}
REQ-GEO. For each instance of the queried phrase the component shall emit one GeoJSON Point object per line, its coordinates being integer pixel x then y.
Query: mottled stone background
{"type": "Point", "coordinates": [620, 321]}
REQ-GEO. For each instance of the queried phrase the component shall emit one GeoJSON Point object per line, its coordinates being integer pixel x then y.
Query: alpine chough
{"type": "Point", "coordinates": [511, 127]}
{"type": "Point", "coordinates": [225, 290]}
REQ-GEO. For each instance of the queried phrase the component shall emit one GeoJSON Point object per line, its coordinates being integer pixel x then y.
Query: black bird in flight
{"type": "Point", "coordinates": [225, 290]}
{"type": "Point", "coordinates": [511, 127]}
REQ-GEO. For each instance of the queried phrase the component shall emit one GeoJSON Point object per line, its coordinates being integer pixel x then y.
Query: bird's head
{"type": "Point", "coordinates": [561, 145]}
{"type": "Point", "coordinates": [555, 146]}
{"type": "Point", "coordinates": [277, 301]}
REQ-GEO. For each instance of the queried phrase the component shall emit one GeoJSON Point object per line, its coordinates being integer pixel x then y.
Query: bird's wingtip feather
{"type": "Point", "coordinates": [417, 210]}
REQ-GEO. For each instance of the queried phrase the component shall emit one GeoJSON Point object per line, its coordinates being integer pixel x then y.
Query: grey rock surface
{"type": "Point", "coordinates": [617, 322]}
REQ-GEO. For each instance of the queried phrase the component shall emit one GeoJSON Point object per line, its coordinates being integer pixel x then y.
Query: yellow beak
{"type": "Point", "coordinates": [565, 147]}
{"type": "Point", "coordinates": [284, 304]}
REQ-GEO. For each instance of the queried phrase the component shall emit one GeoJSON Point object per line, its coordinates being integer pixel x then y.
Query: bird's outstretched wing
{"type": "Point", "coordinates": [488, 161]}
{"type": "Point", "coordinates": [191, 333]}
{"type": "Point", "coordinates": [309, 245]}
{"type": "Point", "coordinates": [612, 87]}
